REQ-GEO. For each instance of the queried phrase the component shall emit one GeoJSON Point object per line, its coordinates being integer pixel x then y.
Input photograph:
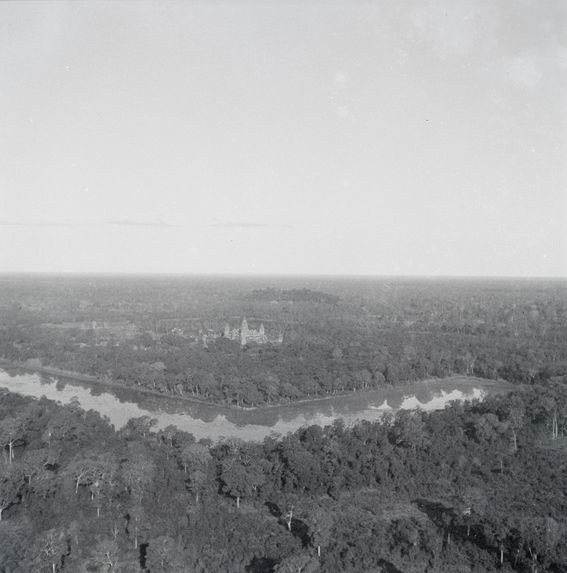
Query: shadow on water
{"type": "Point", "coordinates": [218, 422]}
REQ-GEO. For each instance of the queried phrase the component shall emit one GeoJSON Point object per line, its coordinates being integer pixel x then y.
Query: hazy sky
{"type": "Point", "coordinates": [293, 137]}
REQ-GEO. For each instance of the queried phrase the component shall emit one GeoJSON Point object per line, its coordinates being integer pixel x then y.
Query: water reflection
{"type": "Point", "coordinates": [214, 422]}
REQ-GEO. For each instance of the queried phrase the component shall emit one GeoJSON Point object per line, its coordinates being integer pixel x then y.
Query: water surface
{"type": "Point", "coordinates": [216, 422]}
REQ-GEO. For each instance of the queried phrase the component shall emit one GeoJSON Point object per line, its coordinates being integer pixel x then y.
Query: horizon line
{"type": "Point", "coordinates": [156, 274]}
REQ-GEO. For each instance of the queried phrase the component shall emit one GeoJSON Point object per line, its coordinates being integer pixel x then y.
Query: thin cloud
{"type": "Point", "coordinates": [142, 224]}
{"type": "Point", "coordinates": [118, 223]}
{"type": "Point", "coordinates": [133, 223]}
{"type": "Point", "coordinates": [4, 223]}
{"type": "Point", "coordinates": [248, 225]}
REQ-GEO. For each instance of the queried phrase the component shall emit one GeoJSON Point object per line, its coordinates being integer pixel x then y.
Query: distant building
{"type": "Point", "coordinates": [244, 334]}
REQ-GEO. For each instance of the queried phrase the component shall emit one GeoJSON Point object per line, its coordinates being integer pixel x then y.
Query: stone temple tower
{"type": "Point", "coordinates": [243, 332]}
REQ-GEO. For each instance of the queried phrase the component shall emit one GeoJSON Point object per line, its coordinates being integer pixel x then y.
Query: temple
{"type": "Point", "coordinates": [246, 335]}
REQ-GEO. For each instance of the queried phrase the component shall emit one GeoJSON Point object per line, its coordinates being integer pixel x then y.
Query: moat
{"type": "Point", "coordinates": [217, 422]}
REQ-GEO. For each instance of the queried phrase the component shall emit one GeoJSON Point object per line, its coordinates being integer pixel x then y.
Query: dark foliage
{"type": "Point", "coordinates": [445, 491]}
{"type": "Point", "coordinates": [338, 336]}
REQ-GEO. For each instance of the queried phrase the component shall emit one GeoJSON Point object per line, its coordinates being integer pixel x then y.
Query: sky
{"type": "Point", "coordinates": [347, 138]}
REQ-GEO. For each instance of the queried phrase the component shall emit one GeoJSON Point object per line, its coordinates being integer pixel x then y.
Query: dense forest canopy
{"type": "Point", "coordinates": [272, 294]}
{"type": "Point", "coordinates": [477, 487]}
{"type": "Point", "coordinates": [339, 335]}
{"type": "Point", "coordinates": [473, 488]}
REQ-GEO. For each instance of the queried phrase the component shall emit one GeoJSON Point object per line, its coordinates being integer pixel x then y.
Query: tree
{"type": "Point", "coordinates": [55, 544]}
{"type": "Point", "coordinates": [10, 432]}
{"type": "Point", "coordinates": [14, 541]}
{"type": "Point", "coordinates": [137, 474]}
{"type": "Point", "coordinates": [240, 476]}
{"type": "Point", "coordinates": [496, 528]}
{"type": "Point", "coordinates": [87, 471]}
{"type": "Point", "coordinates": [33, 462]}
{"type": "Point", "coordinates": [167, 435]}
{"type": "Point", "coordinates": [139, 426]}
{"type": "Point", "coordinates": [516, 415]}
{"type": "Point", "coordinates": [533, 532]}
{"type": "Point", "coordinates": [298, 563]}
{"type": "Point", "coordinates": [10, 486]}
{"type": "Point", "coordinates": [105, 556]}
{"type": "Point", "coordinates": [409, 430]}
{"type": "Point", "coordinates": [65, 424]}
{"type": "Point", "coordinates": [196, 459]}
{"type": "Point", "coordinates": [165, 554]}
{"type": "Point", "coordinates": [269, 385]}
{"type": "Point", "coordinates": [321, 522]}
{"type": "Point", "coordinates": [137, 523]}
{"type": "Point", "coordinates": [548, 405]}
{"type": "Point", "coordinates": [488, 428]}
{"type": "Point", "coordinates": [46, 436]}
{"type": "Point", "coordinates": [363, 379]}
{"type": "Point", "coordinates": [475, 503]}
